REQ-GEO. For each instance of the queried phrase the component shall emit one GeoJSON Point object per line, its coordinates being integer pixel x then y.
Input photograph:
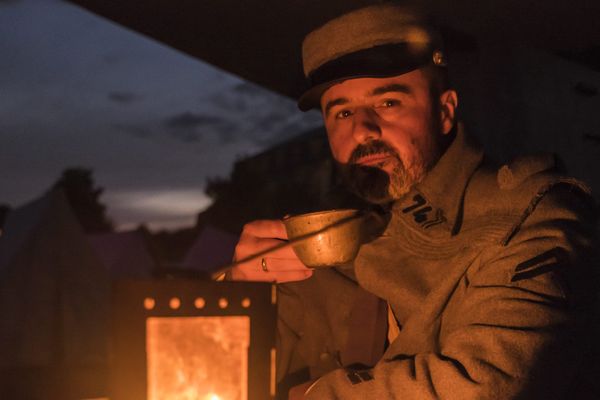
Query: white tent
{"type": "Point", "coordinates": [124, 254]}
{"type": "Point", "coordinates": [54, 303]}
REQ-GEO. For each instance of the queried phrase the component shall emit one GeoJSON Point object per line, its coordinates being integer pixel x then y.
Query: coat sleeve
{"type": "Point", "coordinates": [514, 327]}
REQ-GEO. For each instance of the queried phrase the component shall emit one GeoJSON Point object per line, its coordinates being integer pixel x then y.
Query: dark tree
{"type": "Point", "coordinates": [4, 210]}
{"type": "Point", "coordinates": [293, 177]}
{"type": "Point", "coordinates": [79, 187]}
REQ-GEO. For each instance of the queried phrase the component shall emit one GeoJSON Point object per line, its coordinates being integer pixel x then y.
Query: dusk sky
{"type": "Point", "coordinates": [153, 124]}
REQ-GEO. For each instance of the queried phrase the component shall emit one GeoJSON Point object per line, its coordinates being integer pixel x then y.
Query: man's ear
{"type": "Point", "coordinates": [448, 104]}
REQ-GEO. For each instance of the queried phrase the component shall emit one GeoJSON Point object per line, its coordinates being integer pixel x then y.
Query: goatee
{"type": "Point", "coordinates": [372, 183]}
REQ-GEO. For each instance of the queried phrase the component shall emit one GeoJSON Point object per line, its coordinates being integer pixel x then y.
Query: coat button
{"type": "Point", "coordinates": [325, 357]}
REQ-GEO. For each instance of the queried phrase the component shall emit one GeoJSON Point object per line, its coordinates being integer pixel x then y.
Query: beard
{"type": "Point", "coordinates": [375, 185]}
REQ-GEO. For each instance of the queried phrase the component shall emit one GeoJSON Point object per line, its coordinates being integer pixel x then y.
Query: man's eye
{"type": "Point", "coordinates": [390, 103]}
{"type": "Point", "coordinates": [343, 114]}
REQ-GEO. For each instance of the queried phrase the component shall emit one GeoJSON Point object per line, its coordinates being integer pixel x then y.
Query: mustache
{"type": "Point", "coordinates": [370, 148]}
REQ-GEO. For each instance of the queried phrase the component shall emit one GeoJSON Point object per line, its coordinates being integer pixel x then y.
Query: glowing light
{"type": "Point", "coordinates": [174, 303]}
{"type": "Point", "coordinates": [149, 303]}
{"type": "Point", "coordinates": [223, 303]}
{"type": "Point", "coordinates": [199, 302]}
{"type": "Point", "coordinates": [197, 358]}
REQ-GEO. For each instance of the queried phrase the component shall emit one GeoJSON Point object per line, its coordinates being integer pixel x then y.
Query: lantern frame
{"type": "Point", "coordinates": [134, 301]}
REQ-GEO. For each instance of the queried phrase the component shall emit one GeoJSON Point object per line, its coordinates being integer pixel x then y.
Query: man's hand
{"type": "Point", "coordinates": [281, 265]}
{"type": "Point", "coordinates": [298, 392]}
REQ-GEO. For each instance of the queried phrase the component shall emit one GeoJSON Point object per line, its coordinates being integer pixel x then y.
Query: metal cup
{"type": "Point", "coordinates": [326, 238]}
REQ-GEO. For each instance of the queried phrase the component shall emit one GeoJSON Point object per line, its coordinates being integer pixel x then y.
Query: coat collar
{"type": "Point", "coordinates": [437, 200]}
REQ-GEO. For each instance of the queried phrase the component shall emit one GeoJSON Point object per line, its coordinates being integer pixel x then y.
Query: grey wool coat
{"type": "Point", "coordinates": [489, 273]}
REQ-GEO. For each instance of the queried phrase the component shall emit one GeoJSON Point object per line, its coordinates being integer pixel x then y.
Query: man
{"type": "Point", "coordinates": [483, 269]}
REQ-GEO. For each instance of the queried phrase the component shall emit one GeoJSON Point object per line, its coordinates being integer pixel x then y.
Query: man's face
{"type": "Point", "coordinates": [386, 132]}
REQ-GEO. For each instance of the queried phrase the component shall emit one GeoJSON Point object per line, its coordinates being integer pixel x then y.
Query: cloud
{"type": "Point", "coordinates": [248, 88]}
{"type": "Point", "coordinates": [191, 127]}
{"type": "Point", "coordinates": [166, 201]}
{"type": "Point", "coordinates": [271, 122]}
{"type": "Point", "coordinates": [122, 97]}
{"type": "Point", "coordinates": [157, 207]}
{"type": "Point", "coordinates": [188, 120]}
{"type": "Point", "coordinates": [262, 116]}
{"type": "Point", "coordinates": [133, 130]}
{"type": "Point", "coordinates": [187, 136]}
{"type": "Point", "coordinates": [143, 116]}
{"type": "Point", "coordinates": [244, 97]}
{"type": "Point", "coordinates": [111, 59]}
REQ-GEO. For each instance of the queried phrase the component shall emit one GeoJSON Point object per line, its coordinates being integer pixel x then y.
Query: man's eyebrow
{"type": "Point", "coordinates": [394, 87]}
{"type": "Point", "coordinates": [333, 103]}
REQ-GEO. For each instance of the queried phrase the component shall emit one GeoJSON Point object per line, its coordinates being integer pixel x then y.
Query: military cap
{"type": "Point", "coordinates": [376, 41]}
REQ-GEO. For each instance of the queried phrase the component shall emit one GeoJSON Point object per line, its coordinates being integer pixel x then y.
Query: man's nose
{"type": "Point", "coordinates": [366, 125]}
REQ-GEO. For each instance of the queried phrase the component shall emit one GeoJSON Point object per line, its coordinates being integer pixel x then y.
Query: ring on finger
{"type": "Point", "coordinates": [263, 264]}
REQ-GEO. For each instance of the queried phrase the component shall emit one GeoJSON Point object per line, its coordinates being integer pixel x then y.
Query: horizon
{"type": "Point", "coordinates": [151, 122]}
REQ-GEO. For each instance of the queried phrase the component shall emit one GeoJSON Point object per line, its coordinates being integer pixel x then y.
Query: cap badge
{"type": "Point", "coordinates": [439, 59]}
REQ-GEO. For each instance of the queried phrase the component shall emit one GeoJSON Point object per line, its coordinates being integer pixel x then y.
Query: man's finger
{"type": "Point", "coordinates": [290, 276]}
{"type": "Point", "coordinates": [266, 228]}
{"type": "Point", "coordinates": [253, 273]}
{"type": "Point", "coordinates": [252, 245]}
{"type": "Point", "coordinates": [282, 264]}
{"type": "Point", "coordinates": [284, 253]}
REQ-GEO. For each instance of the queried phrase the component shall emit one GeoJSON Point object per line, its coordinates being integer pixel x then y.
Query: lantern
{"type": "Point", "coordinates": [193, 340]}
